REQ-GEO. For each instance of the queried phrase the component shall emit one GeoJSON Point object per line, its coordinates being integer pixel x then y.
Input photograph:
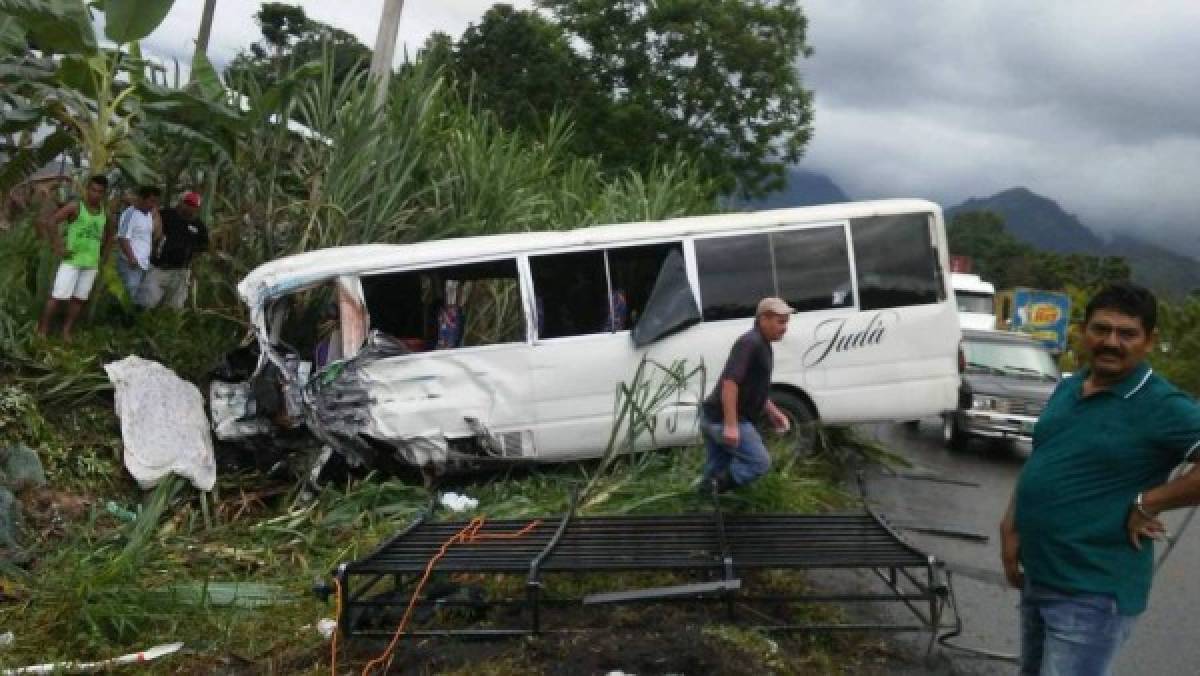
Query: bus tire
{"type": "Point", "coordinates": [804, 434]}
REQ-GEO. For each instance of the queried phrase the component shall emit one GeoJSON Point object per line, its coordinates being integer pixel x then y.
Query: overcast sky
{"type": "Point", "coordinates": [1094, 103]}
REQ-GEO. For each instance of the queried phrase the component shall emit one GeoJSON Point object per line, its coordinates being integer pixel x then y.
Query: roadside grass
{"type": "Point", "coordinates": [230, 574]}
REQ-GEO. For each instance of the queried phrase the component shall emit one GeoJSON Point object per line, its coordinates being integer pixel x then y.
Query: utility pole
{"type": "Point", "coordinates": [206, 20]}
{"type": "Point", "coordinates": [385, 47]}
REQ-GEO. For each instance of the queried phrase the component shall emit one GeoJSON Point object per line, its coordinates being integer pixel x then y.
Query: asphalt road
{"type": "Point", "coordinates": [1164, 640]}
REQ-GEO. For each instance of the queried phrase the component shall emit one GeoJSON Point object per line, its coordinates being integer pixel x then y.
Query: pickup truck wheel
{"type": "Point", "coordinates": [953, 435]}
{"type": "Point", "coordinates": [803, 436]}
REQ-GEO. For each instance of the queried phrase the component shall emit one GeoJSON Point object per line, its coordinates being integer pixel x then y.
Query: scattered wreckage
{"type": "Point", "coordinates": [488, 351]}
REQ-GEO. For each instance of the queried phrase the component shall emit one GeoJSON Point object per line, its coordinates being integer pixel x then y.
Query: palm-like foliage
{"type": "Point", "coordinates": [319, 165]}
{"type": "Point", "coordinates": [94, 100]}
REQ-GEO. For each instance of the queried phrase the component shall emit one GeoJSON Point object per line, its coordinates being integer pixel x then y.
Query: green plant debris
{"type": "Point", "coordinates": [754, 644]}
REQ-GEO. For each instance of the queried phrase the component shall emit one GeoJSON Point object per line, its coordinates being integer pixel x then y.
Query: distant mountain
{"type": "Point", "coordinates": [1036, 220]}
{"type": "Point", "coordinates": [804, 188]}
{"type": "Point", "coordinates": [1041, 222]}
{"type": "Point", "coordinates": [1156, 267]}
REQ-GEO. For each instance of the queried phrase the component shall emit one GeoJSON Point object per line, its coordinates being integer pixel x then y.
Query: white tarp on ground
{"type": "Point", "coordinates": [163, 424]}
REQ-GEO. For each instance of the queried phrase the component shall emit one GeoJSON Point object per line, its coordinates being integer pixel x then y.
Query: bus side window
{"type": "Point", "coordinates": [735, 272]}
{"type": "Point", "coordinates": [635, 271]}
{"type": "Point", "coordinates": [588, 292]}
{"type": "Point", "coordinates": [449, 307]}
{"type": "Point", "coordinates": [671, 305]}
{"type": "Point", "coordinates": [812, 267]}
{"type": "Point", "coordinates": [571, 293]}
{"type": "Point", "coordinates": [895, 261]}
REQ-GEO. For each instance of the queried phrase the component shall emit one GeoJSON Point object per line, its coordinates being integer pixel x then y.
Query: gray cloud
{"type": "Point", "coordinates": [1090, 103]}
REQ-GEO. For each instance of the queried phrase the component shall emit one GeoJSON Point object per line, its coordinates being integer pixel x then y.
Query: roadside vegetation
{"type": "Point", "coordinates": [1007, 262]}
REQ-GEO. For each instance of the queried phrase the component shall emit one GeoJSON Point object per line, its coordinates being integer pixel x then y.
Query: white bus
{"type": "Point", "coordinates": [447, 354]}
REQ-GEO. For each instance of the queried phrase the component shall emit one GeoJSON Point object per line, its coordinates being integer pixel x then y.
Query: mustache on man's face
{"type": "Point", "coordinates": [1108, 351]}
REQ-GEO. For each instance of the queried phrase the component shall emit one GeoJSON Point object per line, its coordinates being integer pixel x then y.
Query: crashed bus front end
{"type": "Point", "coordinates": [355, 390]}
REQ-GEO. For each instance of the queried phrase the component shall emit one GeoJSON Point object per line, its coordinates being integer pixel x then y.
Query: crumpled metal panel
{"type": "Point", "coordinates": [383, 401]}
{"type": "Point", "coordinates": [441, 391]}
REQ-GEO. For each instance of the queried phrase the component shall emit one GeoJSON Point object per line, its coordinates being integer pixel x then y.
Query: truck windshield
{"type": "Point", "coordinates": [974, 302]}
{"type": "Point", "coordinates": [1009, 359]}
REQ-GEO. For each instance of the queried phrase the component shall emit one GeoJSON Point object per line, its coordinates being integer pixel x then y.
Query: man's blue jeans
{"type": "Point", "coordinates": [1070, 634]}
{"type": "Point", "coordinates": [745, 462]}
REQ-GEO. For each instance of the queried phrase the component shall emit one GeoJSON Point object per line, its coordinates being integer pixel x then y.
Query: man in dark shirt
{"type": "Point", "coordinates": [183, 236]}
{"type": "Point", "coordinates": [736, 453]}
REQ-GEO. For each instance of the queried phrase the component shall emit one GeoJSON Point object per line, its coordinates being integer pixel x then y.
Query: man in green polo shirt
{"type": "Point", "coordinates": [1077, 538]}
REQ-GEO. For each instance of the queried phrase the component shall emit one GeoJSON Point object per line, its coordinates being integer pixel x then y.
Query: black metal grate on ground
{"type": "Point", "coordinates": [690, 541]}
{"type": "Point", "coordinates": [710, 546]}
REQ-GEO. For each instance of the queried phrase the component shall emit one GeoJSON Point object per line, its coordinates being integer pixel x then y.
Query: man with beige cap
{"type": "Point", "coordinates": [736, 453]}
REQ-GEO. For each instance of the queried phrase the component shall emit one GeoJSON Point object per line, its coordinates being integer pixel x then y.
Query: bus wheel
{"type": "Point", "coordinates": [804, 436]}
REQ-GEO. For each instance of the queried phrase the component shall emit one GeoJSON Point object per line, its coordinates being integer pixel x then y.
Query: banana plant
{"type": "Point", "coordinates": [60, 85]}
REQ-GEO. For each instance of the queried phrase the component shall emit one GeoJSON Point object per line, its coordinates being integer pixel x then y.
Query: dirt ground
{"type": "Point", "coordinates": [653, 639]}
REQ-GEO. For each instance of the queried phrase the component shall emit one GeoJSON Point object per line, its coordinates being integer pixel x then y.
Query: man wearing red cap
{"type": "Point", "coordinates": [183, 236]}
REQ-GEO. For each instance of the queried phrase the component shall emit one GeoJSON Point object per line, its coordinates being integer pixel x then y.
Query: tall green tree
{"type": "Point", "coordinates": [1178, 353]}
{"type": "Point", "coordinates": [717, 79]}
{"type": "Point", "coordinates": [290, 39]}
{"type": "Point", "coordinates": [520, 66]}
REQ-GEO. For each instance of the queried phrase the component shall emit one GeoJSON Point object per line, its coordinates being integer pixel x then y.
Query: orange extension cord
{"type": "Point", "coordinates": [469, 534]}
